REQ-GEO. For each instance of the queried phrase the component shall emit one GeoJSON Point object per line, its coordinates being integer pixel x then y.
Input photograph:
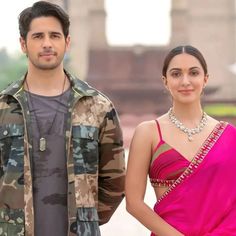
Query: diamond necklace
{"type": "Point", "coordinates": [42, 139]}
{"type": "Point", "coordinates": [188, 131]}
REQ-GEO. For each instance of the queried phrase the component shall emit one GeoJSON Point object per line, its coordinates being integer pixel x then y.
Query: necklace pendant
{"type": "Point", "coordinates": [190, 138]}
{"type": "Point", "coordinates": [188, 131]}
{"type": "Point", "coordinates": [42, 144]}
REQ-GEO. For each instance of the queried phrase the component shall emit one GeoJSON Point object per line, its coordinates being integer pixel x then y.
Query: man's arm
{"type": "Point", "coordinates": [111, 167]}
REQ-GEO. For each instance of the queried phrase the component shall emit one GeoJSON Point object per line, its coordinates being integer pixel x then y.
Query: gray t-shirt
{"type": "Point", "coordinates": [49, 166]}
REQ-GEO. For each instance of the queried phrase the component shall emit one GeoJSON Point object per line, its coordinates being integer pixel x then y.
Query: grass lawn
{"type": "Point", "coordinates": [220, 110]}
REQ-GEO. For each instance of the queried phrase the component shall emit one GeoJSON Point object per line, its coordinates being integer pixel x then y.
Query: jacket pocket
{"type": "Point", "coordinates": [11, 148]}
{"type": "Point", "coordinates": [85, 149]}
{"type": "Point", "coordinates": [12, 222]}
{"type": "Point", "coordinates": [87, 222]}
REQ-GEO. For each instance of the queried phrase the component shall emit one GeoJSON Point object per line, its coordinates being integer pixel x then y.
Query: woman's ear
{"type": "Point", "coordinates": [205, 80]}
{"type": "Point", "coordinates": [164, 79]}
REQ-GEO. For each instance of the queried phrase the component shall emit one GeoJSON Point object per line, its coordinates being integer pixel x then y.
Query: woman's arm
{"type": "Point", "coordinates": [136, 180]}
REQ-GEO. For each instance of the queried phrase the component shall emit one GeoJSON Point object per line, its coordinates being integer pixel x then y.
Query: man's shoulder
{"type": "Point", "coordinates": [89, 90]}
{"type": "Point", "coordinates": [11, 88]}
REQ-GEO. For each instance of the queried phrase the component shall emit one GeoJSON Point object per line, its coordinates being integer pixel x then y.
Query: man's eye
{"type": "Point", "coordinates": [37, 36]}
{"type": "Point", "coordinates": [55, 36]}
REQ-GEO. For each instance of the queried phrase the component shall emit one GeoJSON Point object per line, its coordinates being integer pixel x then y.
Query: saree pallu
{"type": "Point", "coordinates": [202, 201]}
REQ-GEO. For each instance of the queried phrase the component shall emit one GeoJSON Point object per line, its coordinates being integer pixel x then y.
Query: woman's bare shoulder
{"type": "Point", "coordinates": [163, 119]}
{"type": "Point", "coordinates": [146, 124]}
{"type": "Point", "coordinates": [144, 129]}
{"type": "Point", "coordinates": [212, 122]}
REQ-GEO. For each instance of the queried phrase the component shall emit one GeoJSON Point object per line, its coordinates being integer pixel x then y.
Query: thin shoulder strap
{"type": "Point", "coordinates": [159, 130]}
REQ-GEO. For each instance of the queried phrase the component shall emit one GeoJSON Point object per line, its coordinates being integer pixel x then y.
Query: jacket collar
{"type": "Point", "coordinates": [79, 86]}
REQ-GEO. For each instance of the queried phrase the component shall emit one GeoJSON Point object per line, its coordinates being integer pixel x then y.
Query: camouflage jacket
{"type": "Point", "coordinates": [95, 161]}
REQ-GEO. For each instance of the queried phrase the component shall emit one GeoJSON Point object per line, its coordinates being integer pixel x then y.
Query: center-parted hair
{"type": "Point", "coordinates": [40, 9]}
{"type": "Point", "coordinates": [188, 49]}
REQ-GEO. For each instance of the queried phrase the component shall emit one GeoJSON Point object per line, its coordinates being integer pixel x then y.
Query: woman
{"type": "Point", "coordinates": [188, 156]}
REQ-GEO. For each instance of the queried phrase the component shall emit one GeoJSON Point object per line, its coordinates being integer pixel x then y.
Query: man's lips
{"type": "Point", "coordinates": [46, 54]}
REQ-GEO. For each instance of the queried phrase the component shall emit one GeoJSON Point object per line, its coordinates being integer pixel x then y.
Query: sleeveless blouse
{"type": "Point", "coordinates": [167, 164]}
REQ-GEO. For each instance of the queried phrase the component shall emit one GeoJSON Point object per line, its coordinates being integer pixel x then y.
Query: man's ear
{"type": "Point", "coordinates": [68, 42]}
{"type": "Point", "coordinates": [23, 44]}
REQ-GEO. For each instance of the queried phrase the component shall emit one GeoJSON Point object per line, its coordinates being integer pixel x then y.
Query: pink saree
{"type": "Point", "coordinates": [202, 201]}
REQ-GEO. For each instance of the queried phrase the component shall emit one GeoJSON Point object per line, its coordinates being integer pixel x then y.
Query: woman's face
{"type": "Point", "coordinates": [185, 78]}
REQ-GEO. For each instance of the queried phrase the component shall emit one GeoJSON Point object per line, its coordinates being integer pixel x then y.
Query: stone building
{"type": "Point", "coordinates": [211, 26]}
{"type": "Point", "coordinates": [131, 75]}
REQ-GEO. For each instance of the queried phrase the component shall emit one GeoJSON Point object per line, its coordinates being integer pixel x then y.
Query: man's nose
{"type": "Point", "coordinates": [47, 42]}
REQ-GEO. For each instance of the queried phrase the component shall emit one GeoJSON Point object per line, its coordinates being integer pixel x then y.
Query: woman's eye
{"type": "Point", "coordinates": [176, 74]}
{"type": "Point", "coordinates": [194, 73]}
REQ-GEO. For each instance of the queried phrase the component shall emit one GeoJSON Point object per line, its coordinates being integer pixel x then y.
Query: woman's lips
{"type": "Point", "coordinates": [185, 91]}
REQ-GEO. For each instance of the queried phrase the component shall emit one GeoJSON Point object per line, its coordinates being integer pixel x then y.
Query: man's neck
{"type": "Point", "coordinates": [47, 82]}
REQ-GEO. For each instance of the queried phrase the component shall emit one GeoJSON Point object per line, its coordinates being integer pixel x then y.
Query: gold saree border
{"type": "Point", "coordinates": [198, 158]}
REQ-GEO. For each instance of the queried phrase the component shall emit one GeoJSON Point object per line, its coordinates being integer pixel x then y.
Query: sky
{"type": "Point", "coordinates": [138, 21]}
{"type": "Point", "coordinates": [129, 22]}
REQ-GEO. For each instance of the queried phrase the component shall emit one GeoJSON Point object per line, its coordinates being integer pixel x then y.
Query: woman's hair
{"type": "Point", "coordinates": [184, 49]}
{"type": "Point", "coordinates": [39, 9]}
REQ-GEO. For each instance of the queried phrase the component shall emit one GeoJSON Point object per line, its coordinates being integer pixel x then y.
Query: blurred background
{"type": "Point", "coordinates": [119, 47]}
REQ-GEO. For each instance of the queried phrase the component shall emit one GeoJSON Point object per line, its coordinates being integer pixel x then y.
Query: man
{"type": "Point", "coordinates": [62, 160]}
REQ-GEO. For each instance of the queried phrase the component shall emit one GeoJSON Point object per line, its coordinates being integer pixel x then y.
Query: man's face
{"type": "Point", "coordinates": [45, 44]}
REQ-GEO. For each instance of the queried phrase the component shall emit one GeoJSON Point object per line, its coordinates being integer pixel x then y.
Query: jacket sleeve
{"type": "Point", "coordinates": [111, 167]}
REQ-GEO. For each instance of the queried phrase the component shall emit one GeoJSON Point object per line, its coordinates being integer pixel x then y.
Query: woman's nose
{"type": "Point", "coordinates": [185, 79]}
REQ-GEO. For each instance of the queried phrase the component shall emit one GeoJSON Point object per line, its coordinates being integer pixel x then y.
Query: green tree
{"type": "Point", "coordinates": [11, 67]}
